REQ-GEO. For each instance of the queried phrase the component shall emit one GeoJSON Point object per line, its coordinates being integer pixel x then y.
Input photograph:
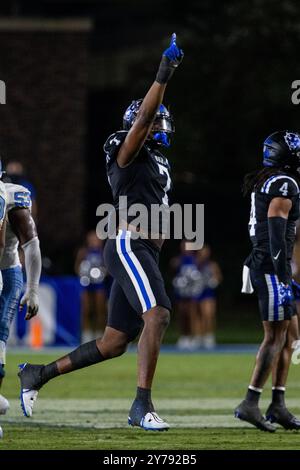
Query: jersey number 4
{"type": "Point", "coordinates": [284, 189]}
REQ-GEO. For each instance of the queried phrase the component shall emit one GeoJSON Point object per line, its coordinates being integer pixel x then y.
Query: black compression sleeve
{"type": "Point", "coordinates": [277, 230]}
{"type": "Point", "coordinates": [165, 70]}
{"type": "Point", "coordinates": [86, 355]}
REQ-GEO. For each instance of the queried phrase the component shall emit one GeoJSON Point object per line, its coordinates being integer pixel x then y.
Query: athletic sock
{"type": "Point", "coordinates": [85, 355]}
{"type": "Point", "coordinates": [253, 394]}
{"type": "Point", "coordinates": [144, 395]}
{"type": "Point", "coordinates": [278, 396]}
{"type": "Point", "coordinates": [48, 372]}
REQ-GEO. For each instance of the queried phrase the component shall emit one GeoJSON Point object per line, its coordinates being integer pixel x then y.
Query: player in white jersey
{"type": "Point", "coordinates": [3, 203]}
{"type": "Point", "coordinates": [20, 231]}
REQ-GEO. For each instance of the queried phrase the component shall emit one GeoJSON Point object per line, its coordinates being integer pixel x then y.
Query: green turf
{"type": "Point", "coordinates": [134, 439]}
{"type": "Point", "coordinates": [195, 393]}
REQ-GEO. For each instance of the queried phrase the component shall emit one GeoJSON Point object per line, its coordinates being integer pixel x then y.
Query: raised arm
{"type": "Point", "coordinates": [142, 126]}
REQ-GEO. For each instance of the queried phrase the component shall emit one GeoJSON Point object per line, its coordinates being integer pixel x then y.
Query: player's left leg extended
{"type": "Point", "coordinates": [9, 302]}
{"type": "Point", "coordinates": [277, 412]}
{"type": "Point", "coordinates": [34, 377]}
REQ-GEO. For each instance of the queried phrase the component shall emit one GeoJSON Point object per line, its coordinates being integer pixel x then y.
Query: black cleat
{"type": "Point", "coordinates": [281, 415]}
{"type": "Point", "coordinates": [246, 411]}
{"type": "Point", "coordinates": [30, 378]}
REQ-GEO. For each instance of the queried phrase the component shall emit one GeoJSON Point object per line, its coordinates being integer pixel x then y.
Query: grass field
{"type": "Point", "coordinates": [195, 393]}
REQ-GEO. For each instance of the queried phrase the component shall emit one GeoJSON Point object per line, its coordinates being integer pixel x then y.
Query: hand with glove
{"type": "Point", "coordinates": [285, 294]}
{"type": "Point", "coordinates": [170, 60]}
{"type": "Point", "coordinates": [31, 300]}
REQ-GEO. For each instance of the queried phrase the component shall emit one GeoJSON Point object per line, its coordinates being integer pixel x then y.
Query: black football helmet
{"type": "Point", "coordinates": [163, 125]}
{"type": "Point", "coordinates": [282, 149]}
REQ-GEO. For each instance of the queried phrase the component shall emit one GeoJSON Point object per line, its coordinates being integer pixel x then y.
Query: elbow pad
{"type": "Point", "coordinates": [33, 263]}
{"type": "Point", "coordinates": [277, 231]}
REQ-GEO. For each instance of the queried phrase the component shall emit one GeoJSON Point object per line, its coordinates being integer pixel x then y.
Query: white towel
{"type": "Point", "coordinates": [247, 287]}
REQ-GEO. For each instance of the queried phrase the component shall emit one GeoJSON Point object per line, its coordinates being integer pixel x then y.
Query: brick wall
{"type": "Point", "coordinates": [43, 124]}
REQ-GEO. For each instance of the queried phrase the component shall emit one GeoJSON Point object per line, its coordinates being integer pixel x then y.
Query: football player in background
{"type": "Point", "coordinates": [138, 300]}
{"type": "Point", "coordinates": [4, 405]}
{"type": "Point", "coordinates": [20, 231]}
{"type": "Point", "coordinates": [272, 226]}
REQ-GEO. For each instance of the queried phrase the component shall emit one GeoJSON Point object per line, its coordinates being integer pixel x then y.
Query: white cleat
{"type": "Point", "coordinates": [28, 399]}
{"type": "Point", "coordinates": [151, 422]}
{"type": "Point", "coordinates": [4, 405]}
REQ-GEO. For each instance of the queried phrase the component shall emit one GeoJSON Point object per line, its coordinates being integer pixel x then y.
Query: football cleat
{"type": "Point", "coordinates": [150, 422]}
{"type": "Point", "coordinates": [28, 398]}
{"type": "Point", "coordinates": [30, 378]}
{"type": "Point", "coordinates": [281, 415]}
{"type": "Point", "coordinates": [249, 412]}
{"type": "Point", "coordinates": [4, 405]}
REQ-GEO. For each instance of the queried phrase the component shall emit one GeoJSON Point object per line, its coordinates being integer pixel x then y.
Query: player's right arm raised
{"type": "Point", "coordinates": [141, 128]}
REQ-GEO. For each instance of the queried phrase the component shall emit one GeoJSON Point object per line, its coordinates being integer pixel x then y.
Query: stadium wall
{"type": "Point", "coordinates": [43, 124]}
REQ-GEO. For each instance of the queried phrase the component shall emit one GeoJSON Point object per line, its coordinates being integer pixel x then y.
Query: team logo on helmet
{"type": "Point", "coordinates": [292, 141]}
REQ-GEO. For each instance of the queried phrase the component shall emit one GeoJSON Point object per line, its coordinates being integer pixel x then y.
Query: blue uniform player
{"type": "Point", "coordinates": [137, 170]}
{"type": "Point", "coordinates": [272, 229]}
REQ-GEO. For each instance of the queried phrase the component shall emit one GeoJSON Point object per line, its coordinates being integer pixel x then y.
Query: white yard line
{"type": "Point", "coordinates": [104, 414]}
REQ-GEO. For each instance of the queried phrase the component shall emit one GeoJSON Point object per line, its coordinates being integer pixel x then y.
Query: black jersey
{"type": "Point", "coordinates": [146, 180]}
{"type": "Point", "coordinates": [280, 185]}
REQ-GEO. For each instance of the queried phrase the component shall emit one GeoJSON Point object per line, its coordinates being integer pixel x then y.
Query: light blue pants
{"type": "Point", "coordinates": [9, 299]}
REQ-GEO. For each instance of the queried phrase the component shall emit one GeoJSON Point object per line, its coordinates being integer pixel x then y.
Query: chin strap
{"type": "Point", "coordinates": [162, 138]}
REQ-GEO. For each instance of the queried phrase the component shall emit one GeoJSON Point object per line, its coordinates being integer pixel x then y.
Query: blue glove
{"type": "Point", "coordinates": [171, 58]}
{"type": "Point", "coordinates": [285, 294]}
{"type": "Point", "coordinates": [173, 53]}
{"type": "Point", "coordinates": [296, 289]}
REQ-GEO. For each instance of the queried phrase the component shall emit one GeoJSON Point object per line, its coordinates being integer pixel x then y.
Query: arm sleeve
{"type": "Point", "coordinates": [277, 229]}
{"type": "Point", "coordinates": [33, 263]}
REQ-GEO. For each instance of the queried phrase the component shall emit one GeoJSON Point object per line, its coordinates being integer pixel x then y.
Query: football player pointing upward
{"type": "Point", "coordinates": [274, 211]}
{"type": "Point", "coordinates": [136, 169]}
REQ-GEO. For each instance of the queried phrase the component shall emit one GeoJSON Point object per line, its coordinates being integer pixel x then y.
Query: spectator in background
{"type": "Point", "coordinates": [90, 268]}
{"type": "Point", "coordinates": [204, 305]}
{"type": "Point", "coordinates": [185, 270]}
{"type": "Point", "coordinates": [15, 173]}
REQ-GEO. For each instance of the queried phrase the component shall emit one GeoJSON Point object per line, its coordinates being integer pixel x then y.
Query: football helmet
{"type": "Point", "coordinates": [163, 125]}
{"type": "Point", "coordinates": [282, 149]}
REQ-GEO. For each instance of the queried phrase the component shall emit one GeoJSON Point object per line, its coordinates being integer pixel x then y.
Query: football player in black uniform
{"type": "Point", "coordinates": [137, 170]}
{"type": "Point", "coordinates": [272, 226]}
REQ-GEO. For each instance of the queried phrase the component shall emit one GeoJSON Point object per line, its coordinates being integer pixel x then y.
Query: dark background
{"type": "Point", "coordinates": [232, 90]}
